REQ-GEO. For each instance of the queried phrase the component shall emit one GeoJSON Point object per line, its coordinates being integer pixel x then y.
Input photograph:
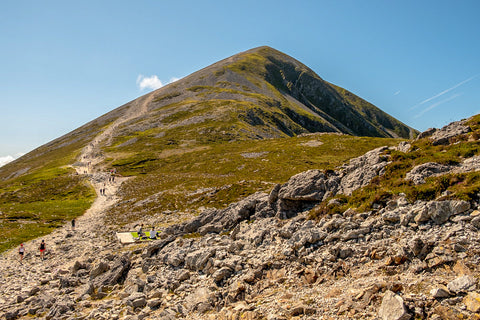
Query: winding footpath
{"type": "Point", "coordinates": [64, 245]}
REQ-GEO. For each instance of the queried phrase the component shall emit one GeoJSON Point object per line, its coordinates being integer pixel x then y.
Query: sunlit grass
{"type": "Point", "coordinates": [223, 173]}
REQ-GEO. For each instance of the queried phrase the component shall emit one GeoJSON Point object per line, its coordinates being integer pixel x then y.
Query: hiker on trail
{"type": "Point", "coordinates": [21, 252]}
{"type": "Point", "coordinates": [73, 224]}
{"type": "Point", "coordinates": [42, 249]}
{"type": "Point", "coordinates": [140, 232]}
{"type": "Point", "coordinates": [153, 233]}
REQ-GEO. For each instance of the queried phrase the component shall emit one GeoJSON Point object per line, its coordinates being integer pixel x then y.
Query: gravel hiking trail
{"type": "Point", "coordinates": [64, 246]}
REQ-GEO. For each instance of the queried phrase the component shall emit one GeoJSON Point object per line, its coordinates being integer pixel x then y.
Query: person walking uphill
{"type": "Point", "coordinates": [42, 249]}
{"type": "Point", "coordinates": [21, 252]}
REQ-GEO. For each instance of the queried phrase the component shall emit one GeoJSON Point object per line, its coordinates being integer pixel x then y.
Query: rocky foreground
{"type": "Point", "coordinates": [261, 258]}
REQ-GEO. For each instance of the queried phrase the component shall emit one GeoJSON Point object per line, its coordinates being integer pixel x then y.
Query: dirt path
{"type": "Point", "coordinates": [64, 245]}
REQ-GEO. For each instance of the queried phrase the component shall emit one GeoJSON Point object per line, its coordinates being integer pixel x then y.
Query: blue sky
{"type": "Point", "coordinates": [64, 63]}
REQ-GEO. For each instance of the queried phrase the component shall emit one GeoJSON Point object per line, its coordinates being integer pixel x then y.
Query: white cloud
{"type": "Point", "coordinates": [5, 160]}
{"type": "Point", "coordinates": [152, 82]}
{"type": "Point", "coordinates": [396, 93]}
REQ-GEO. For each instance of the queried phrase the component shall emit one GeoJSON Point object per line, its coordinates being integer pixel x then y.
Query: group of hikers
{"type": "Point", "coordinates": [143, 236]}
{"type": "Point", "coordinates": [42, 247]}
{"type": "Point", "coordinates": [111, 180]}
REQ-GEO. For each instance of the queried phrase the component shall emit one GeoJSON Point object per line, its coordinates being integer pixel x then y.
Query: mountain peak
{"type": "Point", "coordinates": [266, 94]}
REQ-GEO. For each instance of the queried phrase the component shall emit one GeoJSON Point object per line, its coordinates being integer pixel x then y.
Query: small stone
{"type": "Point", "coordinates": [154, 303]}
{"type": "Point", "coordinates": [472, 301]}
{"type": "Point", "coordinates": [33, 291]}
{"type": "Point", "coordinates": [476, 222]}
{"type": "Point", "coordinates": [222, 274]}
{"type": "Point", "coordinates": [439, 293]}
{"type": "Point", "coordinates": [184, 275]}
{"type": "Point", "coordinates": [139, 303]}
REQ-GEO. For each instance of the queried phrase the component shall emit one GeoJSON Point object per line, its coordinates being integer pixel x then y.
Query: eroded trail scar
{"type": "Point", "coordinates": [65, 246]}
{"type": "Point", "coordinates": [90, 158]}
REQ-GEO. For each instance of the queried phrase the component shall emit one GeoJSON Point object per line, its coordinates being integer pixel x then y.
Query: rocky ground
{"type": "Point", "coordinates": [261, 258]}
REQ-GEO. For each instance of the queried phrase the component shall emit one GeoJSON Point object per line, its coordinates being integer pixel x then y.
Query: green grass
{"type": "Point", "coordinates": [40, 207]}
{"type": "Point", "coordinates": [218, 173]}
{"type": "Point", "coordinates": [46, 195]}
{"type": "Point", "coordinates": [20, 222]}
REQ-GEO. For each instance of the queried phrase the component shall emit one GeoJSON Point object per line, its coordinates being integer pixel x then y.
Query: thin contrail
{"type": "Point", "coordinates": [444, 91]}
{"type": "Point", "coordinates": [437, 104]}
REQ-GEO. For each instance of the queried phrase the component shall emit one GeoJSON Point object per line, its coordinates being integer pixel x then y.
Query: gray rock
{"type": "Point", "coordinates": [439, 211]}
{"type": "Point", "coordinates": [404, 146]}
{"type": "Point", "coordinates": [176, 258]}
{"type": "Point", "coordinates": [116, 274]}
{"type": "Point", "coordinates": [462, 284]}
{"type": "Point", "coordinates": [11, 315]}
{"type": "Point", "coordinates": [476, 222]}
{"type": "Point", "coordinates": [77, 266]}
{"type": "Point", "coordinates": [454, 129]}
{"type": "Point", "coordinates": [221, 274]}
{"type": "Point", "coordinates": [430, 169]}
{"type": "Point", "coordinates": [154, 303]}
{"type": "Point", "coordinates": [307, 186]}
{"type": "Point", "coordinates": [201, 300]}
{"type": "Point", "coordinates": [426, 133]}
{"type": "Point", "coordinates": [416, 245]}
{"type": "Point", "coordinates": [392, 307]}
{"type": "Point", "coordinates": [157, 246]}
{"type": "Point", "coordinates": [198, 259]}
{"type": "Point", "coordinates": [439, 293]}
{"type": "Point", "coordinates": [33, 291]}
{"type": "Point", "coordinates": [360, 171]}
{"type": "Point", "coordinates": [139, 303]}
{"type": "Point", "coordinates": [391, 216]}
{"type": "Point", "coordinates": [469, 165]}
{"type": "Point", "coordinates": [99, 269]}
{"type": "Point", "coordinates": [58, 310]}
{"type": "Point", "coordinates": [306, 236]}
{"type": "Point", "coordinates": [459, 206]}
{"type": "Point", "coordinates": [304, 190]}
{"type": "Point", "coordinates": [184, 275]}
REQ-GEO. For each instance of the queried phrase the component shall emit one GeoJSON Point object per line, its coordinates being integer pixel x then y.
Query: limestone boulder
{"type": "Point", "coordinates": [393, 307]}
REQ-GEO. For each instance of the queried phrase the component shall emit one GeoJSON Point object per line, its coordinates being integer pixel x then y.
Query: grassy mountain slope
{"type": "Point", "coordinates": [462, 186]}
{"type": "Point", "coordinates": [213, 137]}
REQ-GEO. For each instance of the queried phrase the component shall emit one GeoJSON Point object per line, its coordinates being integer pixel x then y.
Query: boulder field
{"type": "Point", "coordinates": [263, 258]}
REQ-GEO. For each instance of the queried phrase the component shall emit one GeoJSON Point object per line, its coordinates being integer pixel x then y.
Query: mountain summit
{"type": "Point", "coordinates": [260, 93]}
